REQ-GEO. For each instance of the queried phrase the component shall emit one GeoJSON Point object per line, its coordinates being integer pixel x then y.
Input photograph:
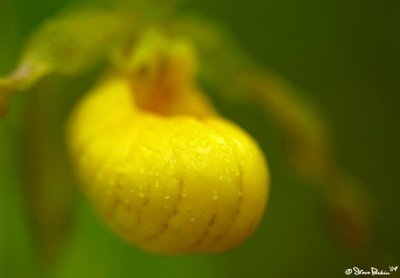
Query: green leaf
{"type": "Point", "coordinates": [48, 180]}
{"type": "Point", "coordinates": [68, 44]}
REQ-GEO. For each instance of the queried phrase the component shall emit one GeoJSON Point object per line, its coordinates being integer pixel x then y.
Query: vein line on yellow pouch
{"type": "Point", "coordinates": [165, 225]}
{"type": "Point", "coordinates": [240, 187]}
{"type": "Point", "coordinates": [206, 231]}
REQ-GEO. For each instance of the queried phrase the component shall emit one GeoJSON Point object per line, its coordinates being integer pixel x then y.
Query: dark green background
{"type": "Point", "coordinates": [344, 54]}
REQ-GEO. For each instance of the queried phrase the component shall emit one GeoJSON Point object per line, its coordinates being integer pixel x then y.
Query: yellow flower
{"type": "Point", "coordinates": [171, 183]}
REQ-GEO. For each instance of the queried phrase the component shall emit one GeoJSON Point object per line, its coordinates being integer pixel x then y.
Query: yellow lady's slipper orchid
{"type": "Point", "coordinates": [171, 179]}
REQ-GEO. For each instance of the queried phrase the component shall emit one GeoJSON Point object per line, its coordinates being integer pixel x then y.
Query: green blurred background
{"type": "Point", "coordinates": [344, 54]}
